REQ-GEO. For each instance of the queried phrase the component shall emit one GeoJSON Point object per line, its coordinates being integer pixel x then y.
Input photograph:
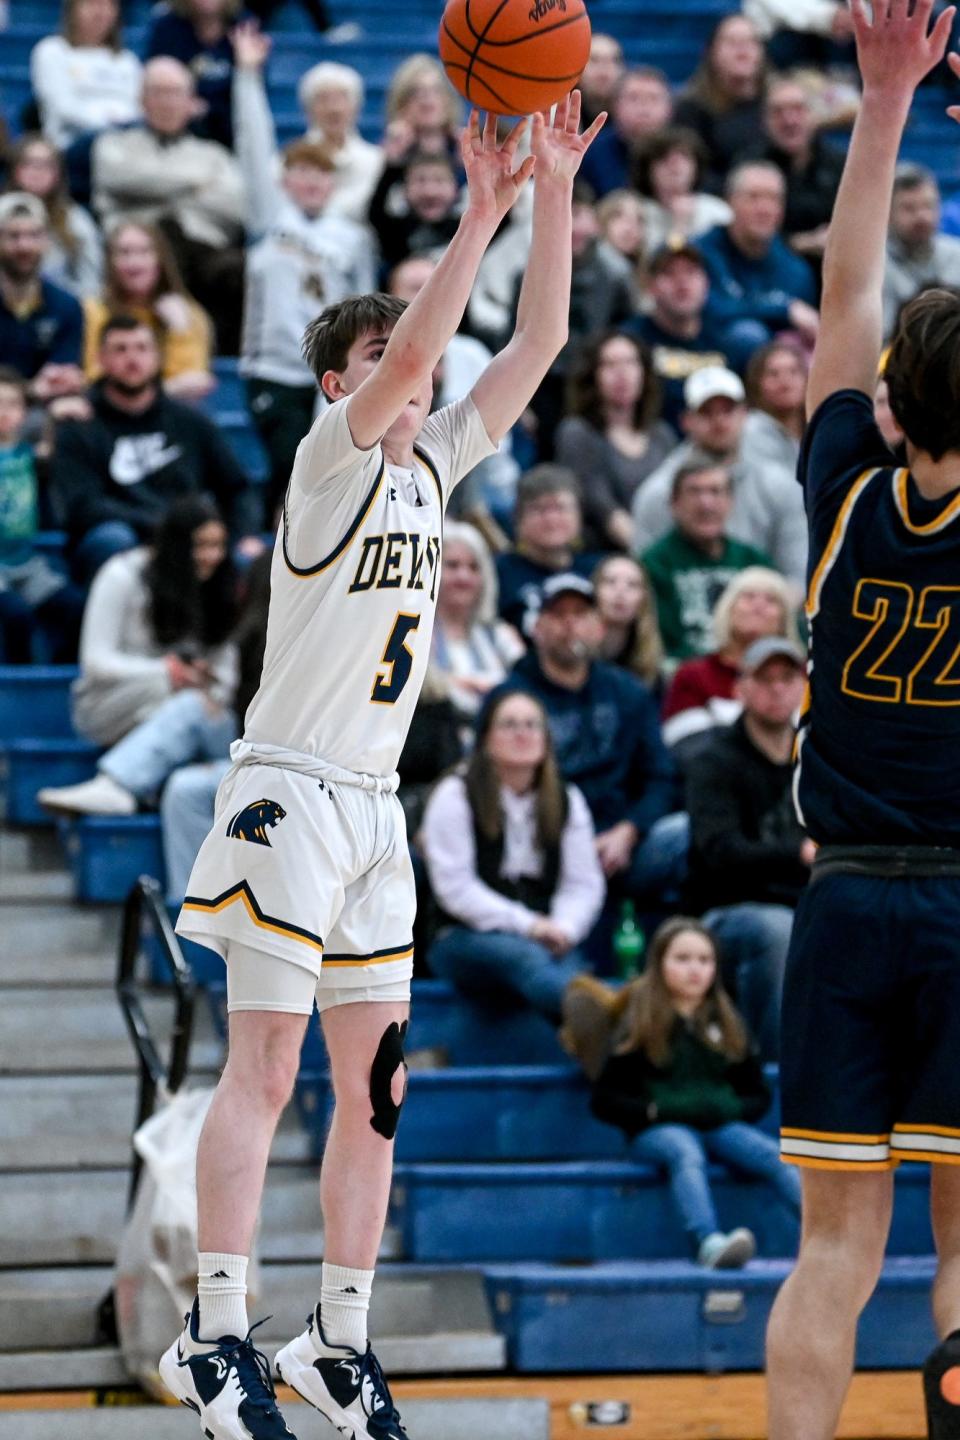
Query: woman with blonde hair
{"type": "Point", "coordinates": [757, 602]}
{"type": "Point", "coordinates": [511, 855]}
{"type": "Point", "coordinates": [84, 79]}
{"type": "Point", "coordinates": [472, 649]}
{"type": "Point", "coordinates": [143, 280]}
{"type": "Point", "coordinates": [628, 612]}
{"type": "Point", "coordinates": [74, 257]}
{"type": "Point", "coordinates": [197, 33]}
{"type": "Point", "coordinates": [424, 112]}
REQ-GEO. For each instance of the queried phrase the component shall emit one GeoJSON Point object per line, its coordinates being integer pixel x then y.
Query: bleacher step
{"type": "Point", "coordinates": [87, 1123]}
{"type": "Point", "coordinates": [446, 1419]}
{"type": "Point", "coordinates": [421, 1320]}
{"type": "Point", "coordinates": [90, 1035]}
{"type": "Point", "coordinates": [34, 952]}
{"type": "Point", "coordinates": [75, 1217]}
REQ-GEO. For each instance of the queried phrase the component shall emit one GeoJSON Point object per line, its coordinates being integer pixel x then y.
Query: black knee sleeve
{"type": "Point", "coordinates": [387, 1061]}
{"type": "Point", "coordinates": [941, 1389]}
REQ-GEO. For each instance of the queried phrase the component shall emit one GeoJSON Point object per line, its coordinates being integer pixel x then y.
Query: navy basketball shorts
{"type": "Point", "coordinates": [870, 1048]}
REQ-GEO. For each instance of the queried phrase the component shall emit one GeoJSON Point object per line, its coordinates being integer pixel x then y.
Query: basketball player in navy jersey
{"type": "Point", "coordinates": [871, 1014]}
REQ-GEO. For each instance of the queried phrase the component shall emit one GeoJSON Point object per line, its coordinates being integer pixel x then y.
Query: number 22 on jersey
{"type": "Point", "coordinates": [398, 659]}
{"type": "Point", "coordinates": [901, 621]}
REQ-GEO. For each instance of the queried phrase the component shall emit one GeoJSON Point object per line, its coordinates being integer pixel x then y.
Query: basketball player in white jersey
{"type": "Point", "coordinates": [304, 884]}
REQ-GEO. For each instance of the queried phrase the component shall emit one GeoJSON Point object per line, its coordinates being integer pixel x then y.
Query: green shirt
{"type": "Point", "coordinates": [687, 584]}
{"type": "Point", "coordinates": [18, 504]}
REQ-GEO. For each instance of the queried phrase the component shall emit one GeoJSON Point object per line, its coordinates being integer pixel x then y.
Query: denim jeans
{"type": "Point", "coordinates": [186, 815]}
{"type": "Point", "coordinates": [658, 866]}
{"type": "Point", "coordinates": [684, 1153]}
{"type": "Point", "coordinates": [99, 545]}
{"type": "Point", "coordinates": [491, 962]}
{"type": "Point", "coordinates": [181, 730]}
{"type": "Point", "coordinates": [754, 940]}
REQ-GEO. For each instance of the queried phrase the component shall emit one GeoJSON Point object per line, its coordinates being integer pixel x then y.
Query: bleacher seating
{"type": "Point", "coordinates": [500, 1163]}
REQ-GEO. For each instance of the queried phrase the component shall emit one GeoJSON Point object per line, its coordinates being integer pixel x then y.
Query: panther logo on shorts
{"type": "Point", "coordinates": [251, 823]}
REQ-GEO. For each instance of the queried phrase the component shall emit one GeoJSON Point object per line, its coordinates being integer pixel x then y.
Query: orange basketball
{"type": "Point", "coordinates": [514, 56]}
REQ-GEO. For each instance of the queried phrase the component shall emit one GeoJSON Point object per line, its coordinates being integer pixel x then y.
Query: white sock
{"type": "Point", "coordinates": [344, 1302]}
{"type": "Point", "coordinates": [222, 1290]}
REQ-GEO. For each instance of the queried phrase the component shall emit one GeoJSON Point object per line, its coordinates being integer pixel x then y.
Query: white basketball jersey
{"type": "Point", "coordinates": [354, 584]}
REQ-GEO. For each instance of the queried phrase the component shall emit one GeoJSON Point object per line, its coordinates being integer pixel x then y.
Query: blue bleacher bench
{"type": "Point", "coordinates": [35, 702]}
{"type": "Point", "coordinates": [33, 764]}
{"type": "Point", "coordinates": [108, 855]}
{"type": "Point", "coordinates": [588, 1211]}
{"type": "Point", "coordinates": [673, 1315]}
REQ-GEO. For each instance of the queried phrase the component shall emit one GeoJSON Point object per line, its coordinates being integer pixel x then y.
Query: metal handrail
{"type": "Point", "coordinates": [146, 901]}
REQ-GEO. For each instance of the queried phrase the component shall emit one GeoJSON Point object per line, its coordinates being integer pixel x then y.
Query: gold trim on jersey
{"type": "Point", "coordinates": [379, 957]}
{"type": "Point", "coordinates": [242, 892]}
{"type": "Point", "coordinates": [307, 572]}
{"type": "Point", "coordinates": [932, 527]}
{"type": "Point", "coordinates": [834, 544]}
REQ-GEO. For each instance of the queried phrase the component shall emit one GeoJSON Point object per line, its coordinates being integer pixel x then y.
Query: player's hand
{"type": "Point", "coordinates": [250, 46]}
{"type": "Point", "coordinates": [492, 183]}
{"type": "Point", "coordinates": [557, 145]}
{"type": "Point", "coordinates": [953, 60]}
{"type": "Point", "coordinates": [894, 50]}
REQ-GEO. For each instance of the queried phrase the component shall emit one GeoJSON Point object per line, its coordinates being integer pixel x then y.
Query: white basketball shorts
{"type": "Point", "coordinates": [313, 871]}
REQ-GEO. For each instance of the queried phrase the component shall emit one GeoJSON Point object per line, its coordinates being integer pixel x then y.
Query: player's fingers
{"type": "Point", "coordinates": [522, 175]}
{"type": "Point", "coordinates": [954, 112]}
{"type": "Point", "coordinates": [591, 134]}
{"type": "Point", "coordinates": [861, 19]}
{"type": "Point", "coordinates": [898, 9]}
{"type": "Point", "coordinates": [560, 113]}
{"type": "Point", "coordinates": [953, 60]}
{"type": "Point", "coordinates": [573, 112]}
{"type": "Point", "coordinates": [513, 139]}
{"type": "Point", "coordinates": [490, 131]}
{"type": "Point", "coordinates": [940, 35]}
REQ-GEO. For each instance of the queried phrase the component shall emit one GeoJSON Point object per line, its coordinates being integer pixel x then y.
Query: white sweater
{"type": "Point", "coordinates": [452, 864]}
{"type": "Point", "coordinates": [141, 176]}
{"type": "Point", "coordinates": [80, 88]}
{"type": "Point", "coordinates": [298, 264]}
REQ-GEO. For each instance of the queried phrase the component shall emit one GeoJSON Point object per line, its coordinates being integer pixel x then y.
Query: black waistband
{"type": "Point", "coordinates": [887, 861]}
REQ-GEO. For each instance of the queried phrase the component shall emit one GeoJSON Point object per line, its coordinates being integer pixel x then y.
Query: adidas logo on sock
{"type": "Point", "coordinates": [220, 1275]}
{"type": "Point", "coordinates": [350, 1290]}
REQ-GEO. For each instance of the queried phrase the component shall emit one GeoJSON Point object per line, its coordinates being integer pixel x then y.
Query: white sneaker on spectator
{"type": "Point", "coordinates": [727, 1252]}
{"type": "Point", "coordinates": [99, 796]}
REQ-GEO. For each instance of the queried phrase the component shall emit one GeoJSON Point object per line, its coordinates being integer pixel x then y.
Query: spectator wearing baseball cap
{"type": "Point", "coordinates": [693, 564]}
{"type": "Point", "coordinates": [758, 286]}
{"type": "Point", "coordinates": [678, 328]}
{"type": "Point", "coordinates": [606, 732]}
{"type": "Point", "coordinates": [749, 857]}
{"type": "Point", "coordinates": [767, 511]}
{"type": "Point", "coordinates": [41, 325]}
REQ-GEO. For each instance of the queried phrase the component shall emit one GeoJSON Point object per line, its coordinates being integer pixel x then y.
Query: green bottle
{"type": "Point", "coordinates": [628, 943]}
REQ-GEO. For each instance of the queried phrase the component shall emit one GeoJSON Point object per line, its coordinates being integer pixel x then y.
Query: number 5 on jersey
{"type": "Point", "coordinates": [388, 685]}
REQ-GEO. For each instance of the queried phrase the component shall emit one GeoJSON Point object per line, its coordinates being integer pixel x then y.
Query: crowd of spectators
{"type": "Point", "coordinates": [616, 659]}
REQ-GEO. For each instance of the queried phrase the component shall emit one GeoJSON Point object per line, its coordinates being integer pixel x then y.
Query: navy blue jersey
{"type": "Point", "coordinates": [878, 752]}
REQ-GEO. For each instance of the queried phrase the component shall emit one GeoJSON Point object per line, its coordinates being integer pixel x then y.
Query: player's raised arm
{"type": "Point", "coordinates": [895, 52]}
{"type": "Point", "coordinates": [510, 381]}
{"type": "Point", "coordinates": [423, 331]}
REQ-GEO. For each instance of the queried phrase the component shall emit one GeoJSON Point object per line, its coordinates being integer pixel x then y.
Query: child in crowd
{"type": "Point", "coordinates": [33, 596]}
{"type": "Point", "coordinates": [681, 1080]}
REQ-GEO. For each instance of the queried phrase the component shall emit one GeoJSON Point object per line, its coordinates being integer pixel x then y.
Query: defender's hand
{"type": "Point", "coordinates": [492, 183]}
{"type": "Point", "coordinates": [894, 51]}
{"type": "Point", "coordinates": [557, 145]}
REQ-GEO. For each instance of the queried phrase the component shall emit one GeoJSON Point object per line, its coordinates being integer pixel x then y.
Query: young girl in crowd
{"type": "Point", "coordinates": [628, 611]}
{"type": "Point", "coordinates": [681, 1081]}
{"type": "Point", "coordinates": [84, 78]}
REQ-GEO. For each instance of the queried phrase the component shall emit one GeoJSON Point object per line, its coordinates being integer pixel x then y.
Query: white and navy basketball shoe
{"type": "Point", "coordinates": [227, 1384]}
{"type": "Point", "coordinates": [348, 1388]}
